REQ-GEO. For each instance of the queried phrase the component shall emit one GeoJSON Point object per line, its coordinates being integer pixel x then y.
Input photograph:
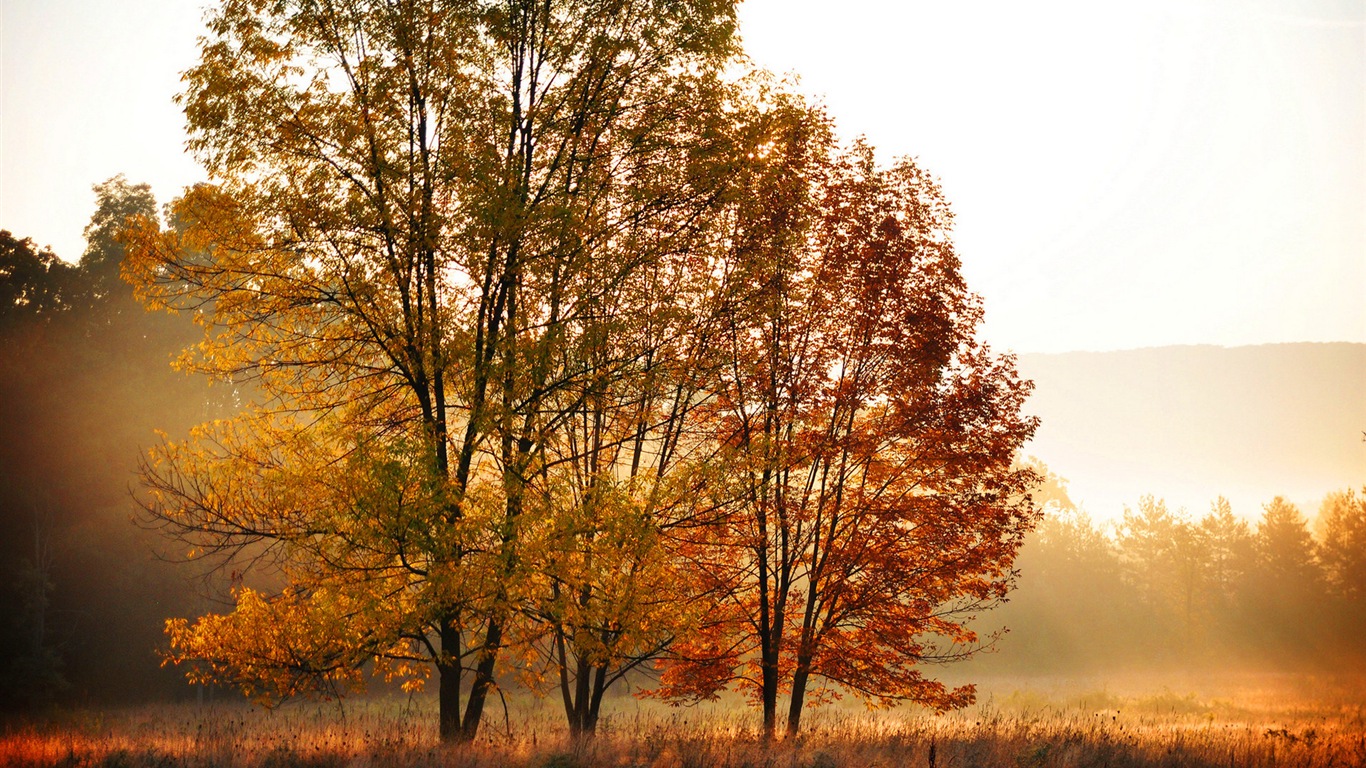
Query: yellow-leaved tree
{"type": "Point", "coordinates": [454, 259]}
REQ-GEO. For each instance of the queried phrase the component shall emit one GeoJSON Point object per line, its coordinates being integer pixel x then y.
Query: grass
{"type": "Point", "coordinates": [1023, 728]}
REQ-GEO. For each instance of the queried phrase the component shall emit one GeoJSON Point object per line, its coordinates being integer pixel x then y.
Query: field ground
{"type": "Point", "coordinates": [1271, 722]}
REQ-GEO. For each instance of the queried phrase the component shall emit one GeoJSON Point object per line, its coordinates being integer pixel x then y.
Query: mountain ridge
{"type": "Point", "coordinates": [1189, 423]}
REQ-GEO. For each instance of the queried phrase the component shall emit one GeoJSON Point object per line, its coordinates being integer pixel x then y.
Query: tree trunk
{"type": "Point", "coordinates": [578, 714]}
{"type": "Point", "coordinates": [583, 703]}
{"type": "Point", "coordinates": [769, 668]}
{"type": "Point", "coordinates": [794, 709]}
{"type": "Point", "coordinates": [448, 692]}
{"type": "Point", "coordinates": [806, 646]}
{"type": "Point", "coordinates": [770, 628]}
{"type": "Point", "coordinates": [483, 680]}
{"type": "Point", "coordinates": [595, 705]}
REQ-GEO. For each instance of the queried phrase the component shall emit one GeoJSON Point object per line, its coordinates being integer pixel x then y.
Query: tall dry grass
{"type": "Point", "coordinates": [1023, 728]}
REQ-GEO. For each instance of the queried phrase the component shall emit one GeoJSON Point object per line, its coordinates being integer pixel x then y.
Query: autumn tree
{"type": "Point", "coordinates": [622, 465]}
{"type": "Point", "coordinates": [872, 503]}
{"type": "Point", "coordinates": [421, 211]}
{"type": "Point", "coordinates": [34, 283]}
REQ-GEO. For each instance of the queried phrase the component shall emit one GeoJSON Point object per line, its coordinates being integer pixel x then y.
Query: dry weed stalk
{"type": "Point", "coordinates": [1157, 731]}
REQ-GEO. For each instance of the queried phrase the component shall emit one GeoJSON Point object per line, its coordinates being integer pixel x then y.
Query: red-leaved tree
{"type": "Point", "coordinates": [872, 504]}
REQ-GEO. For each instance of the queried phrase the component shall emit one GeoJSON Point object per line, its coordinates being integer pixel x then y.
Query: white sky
{"type": "Point", "coordinates": [1124, 175]}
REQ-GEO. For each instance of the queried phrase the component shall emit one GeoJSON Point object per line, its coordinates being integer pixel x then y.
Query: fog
{"type": "Point", "coordinates": [1190, 424]}
{"type": "Point", "coordinates": [86, 381]}
{"type": "Point", "coordinates": [1171, 596]}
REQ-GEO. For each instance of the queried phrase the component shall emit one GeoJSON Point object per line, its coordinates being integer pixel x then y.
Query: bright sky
{"type": "Point", "coordinates": [1124, 174]}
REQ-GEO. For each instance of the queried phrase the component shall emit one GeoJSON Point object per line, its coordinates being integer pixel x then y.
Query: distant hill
{"type": "Point", "coordinates": [1191, 423]}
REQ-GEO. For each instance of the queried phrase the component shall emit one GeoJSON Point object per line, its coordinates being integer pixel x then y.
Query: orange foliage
{"type": "Point", "coordinates": [872, 507]}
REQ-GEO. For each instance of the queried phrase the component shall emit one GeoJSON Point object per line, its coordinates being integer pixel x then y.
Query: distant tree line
{"type": "Point", "coordinates": [84, 381]}
{"type": "Point", "coordinates": [1165, 589]}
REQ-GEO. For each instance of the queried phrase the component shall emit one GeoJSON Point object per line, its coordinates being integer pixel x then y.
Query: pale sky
{"type": "Point", "coordinates": [1124, 174]}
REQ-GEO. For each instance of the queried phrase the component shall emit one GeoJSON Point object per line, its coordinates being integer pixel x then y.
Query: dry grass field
{"type": "Point", "coordinates": [1024, 727]}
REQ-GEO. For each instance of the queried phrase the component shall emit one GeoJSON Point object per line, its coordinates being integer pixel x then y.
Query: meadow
{"type": "Point", "coordinates": [1288, 722]}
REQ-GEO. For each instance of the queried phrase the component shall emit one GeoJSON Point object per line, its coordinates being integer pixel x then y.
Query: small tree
{"type": "Point", "coordinates": [1285, 599]}
{"type": "Point", "coordinates": [1342, 522]}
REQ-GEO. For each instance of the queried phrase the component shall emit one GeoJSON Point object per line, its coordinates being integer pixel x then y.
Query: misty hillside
{"type": "Point", "coordinates": [1190, 423]}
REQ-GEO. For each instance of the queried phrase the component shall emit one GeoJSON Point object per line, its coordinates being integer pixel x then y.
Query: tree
{"type": "Point", "coordinates": [1050, 491]}
{"type": "Point", "coordinates": [872, 503]}
{"type": "Point", "coordinates": [117, 201]}
{"type": "Point", "coordinates": [1342, 519]}
{"type": "Point", "coordinates": [1230, 556]}
{"type": "Point", "coordinates": [34, 284]}
{"type": "Point", "coordinates": [420, 208]}
{"type": "Point", "coordinates": [1284, 546]}
{"type": "Point", "coordinates": [1285, 596]}
{"type": "Point", "coordinates": [1167, 561]}
{"type": "Point", "coordinates": [32, 671]}
{"type": "Point", "coordinates": [622, 467]}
